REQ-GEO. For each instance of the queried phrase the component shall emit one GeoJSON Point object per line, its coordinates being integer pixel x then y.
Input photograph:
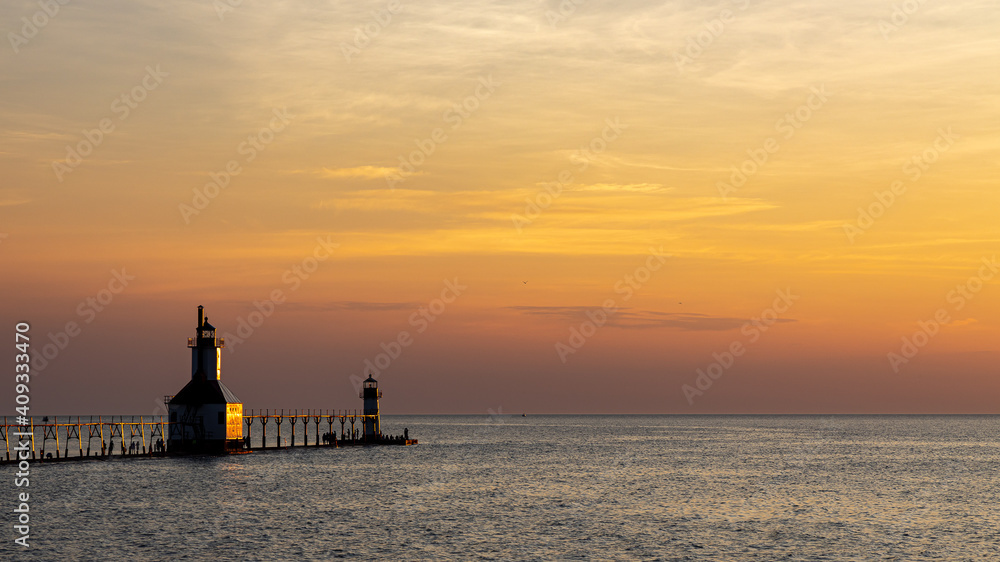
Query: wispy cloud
{"type": "Point", "coordinates": [366, 172]}
{"type": "Point", "coordinates": [363, 306]}
{"type": "Point", "coordinates": [643, 319]}
{"type": "Point", "coordinates": [626, 188]}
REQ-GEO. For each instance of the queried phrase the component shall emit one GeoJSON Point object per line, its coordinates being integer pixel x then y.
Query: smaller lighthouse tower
{"type": "Point", "coordinates": [370, 393]}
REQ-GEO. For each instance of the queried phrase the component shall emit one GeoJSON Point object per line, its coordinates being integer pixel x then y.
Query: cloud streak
{"type": "Point", "coordinates": [354, 306]}
{"type": "Point", "coordinates": [642, 319]}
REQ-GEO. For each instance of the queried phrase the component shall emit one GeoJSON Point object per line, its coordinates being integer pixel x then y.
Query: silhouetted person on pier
{"type": "Point", "coordinates": [406, 433]}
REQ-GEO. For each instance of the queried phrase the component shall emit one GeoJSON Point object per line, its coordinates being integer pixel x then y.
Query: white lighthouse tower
{"type": "Point", "coordinates": [205, 416]}
{"type": "Point", "coordinates": [370, 393]}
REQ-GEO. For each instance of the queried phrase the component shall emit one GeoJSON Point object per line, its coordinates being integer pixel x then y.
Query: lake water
{"type": "Point", "coordinates": [546, 488]}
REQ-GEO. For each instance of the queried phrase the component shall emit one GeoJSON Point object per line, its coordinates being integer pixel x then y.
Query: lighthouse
{"type": "Point", "coordinates": [205, 416]}
{"type": "Point", "coordinates": [370, 393]}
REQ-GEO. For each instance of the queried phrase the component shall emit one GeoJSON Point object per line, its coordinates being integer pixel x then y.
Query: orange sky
{"type": "Point", "coordinates": [684, 164]}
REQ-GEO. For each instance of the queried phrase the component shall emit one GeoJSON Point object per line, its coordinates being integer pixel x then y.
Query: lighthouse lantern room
{"type": "Point", "coordinates": [205, 416]}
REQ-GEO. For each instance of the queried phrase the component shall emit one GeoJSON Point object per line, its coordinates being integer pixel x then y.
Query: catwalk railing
{"type": "Point", "coordinates": [61, 437]}
{"type": "Point", "coordinates": [327, 418]}
{"type": "Point", "coordinates": [145, 436]}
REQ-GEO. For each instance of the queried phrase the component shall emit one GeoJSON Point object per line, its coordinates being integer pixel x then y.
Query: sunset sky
{"type": "Point", "coordinates": [806, 183]}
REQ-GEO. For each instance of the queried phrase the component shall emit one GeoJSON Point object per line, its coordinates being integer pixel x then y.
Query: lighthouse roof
{"type": "Point", "coordinates": [370, 378]}
{"type": "Point", "coordinates": [201, 391]}
{"type": "Point", "coordinates": [207, 326]}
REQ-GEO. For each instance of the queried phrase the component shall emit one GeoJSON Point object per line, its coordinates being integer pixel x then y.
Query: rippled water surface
{"type": "Point", "coordinates": [544, 488]}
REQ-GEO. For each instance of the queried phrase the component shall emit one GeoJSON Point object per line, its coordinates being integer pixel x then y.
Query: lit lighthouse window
{"type": "Point", "coordinates": [208, 333]}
